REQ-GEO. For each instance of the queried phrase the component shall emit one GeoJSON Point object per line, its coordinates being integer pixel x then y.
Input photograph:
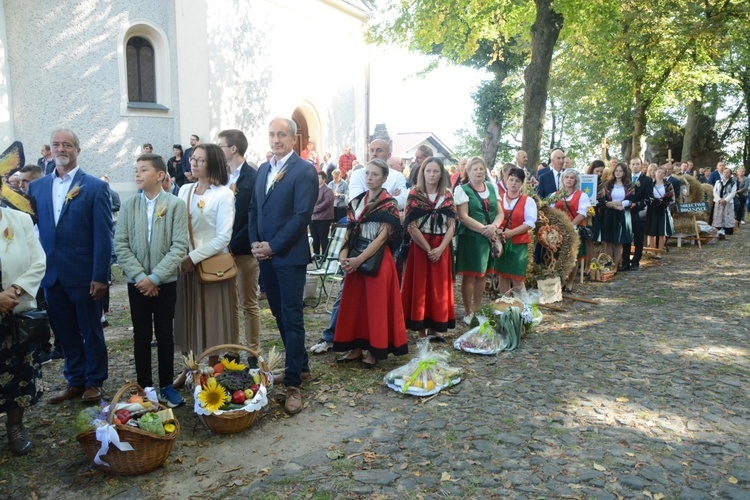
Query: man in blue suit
{"type": "Point", "coordinates": [280, 211]}
{"type": "Point", "coordinates": [549, 181]}
{"type": "Point", "coordinates": [75, 229]}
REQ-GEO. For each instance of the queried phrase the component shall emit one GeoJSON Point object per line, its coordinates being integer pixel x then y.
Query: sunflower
{"type": "Point", "coordinates": [232, 365]}
{"type": "Point", "coordinates": [213, 396]}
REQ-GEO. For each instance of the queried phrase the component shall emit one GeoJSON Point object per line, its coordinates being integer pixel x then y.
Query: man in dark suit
{"type": "Point", "coordinates": [644, 188]}
{"type": "Point", "coordinates": [549, 181]}
{"type": "Point", "coordinates": [75, 229]}
{"type": "Point", "coordinates": [280, 211]}
{"type": "Point", "coordinates": [242, 182]}
{"type": "Point", "coordinates": [46, 162]}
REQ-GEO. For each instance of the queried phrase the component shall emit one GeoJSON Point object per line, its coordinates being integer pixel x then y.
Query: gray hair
{"type": "Point", "coordinates": [76, 141]}
{"type": "Point", "coordinates": [380, 164]}
{"type": "Point", "coordinates": [290, 123]}
{"type": "Point", "coordinates": [574, 173]}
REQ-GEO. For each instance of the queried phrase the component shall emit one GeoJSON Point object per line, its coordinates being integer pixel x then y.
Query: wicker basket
{"type": "Point", "coordinates": [231, 422]}
{"type": "Point", "coordinates": [150, 451]}
{"type": "Point", "coordinates": [603, 260]}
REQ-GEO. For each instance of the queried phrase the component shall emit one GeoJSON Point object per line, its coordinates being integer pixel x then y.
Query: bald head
{"type": "Point", "coordinates": [379, 149]}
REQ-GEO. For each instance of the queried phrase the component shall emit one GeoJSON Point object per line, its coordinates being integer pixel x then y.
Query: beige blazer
{"type": "Point", "coordinates": [22, 258]}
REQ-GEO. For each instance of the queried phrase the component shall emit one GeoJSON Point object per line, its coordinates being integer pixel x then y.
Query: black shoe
{"type": "Point", "coordinates": [18, 438]}
{"type": "Point", "coordinates": [56, 354]}
{"type": "Point", "coordinates": [635, 267]}
{"type": "Point", "coordinates": [44, 358]}
{"type": "Point", "coordinates": [252, 362]}
{"type": "Point", "coordinates": [105, 323]}
{"type": "Point", "coordinates": [154, 343]}
{"type": "Point", "coordinates": [623, 268]}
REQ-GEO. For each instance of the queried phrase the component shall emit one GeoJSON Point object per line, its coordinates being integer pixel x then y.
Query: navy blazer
{"type": "Point", "coordinates": [281, 217]}
{"type": "Point", "coordinates": [79, 248]}
{"type": "Point", "coordinates": [676, 185]}
{"type": "Point", "coordinates": [240, 242]}
{"type": "Point", "coordinates": [644, 191]}
{"type": "Point", "coordinates": [547, 184]}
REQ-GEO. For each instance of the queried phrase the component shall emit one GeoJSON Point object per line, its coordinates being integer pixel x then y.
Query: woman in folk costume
{"type": "Point", "coordinates": [480, 215]}
{"type": "Point", "coordinates": [520, 218]}
{"type": "Point", "coordinates": [371, 317]}
{"type": "Point", "coordinates": [430, 220]}
{"type": "Point", "coordinates": [725, 190]}
{"type": "Point", "coordinates": [658, 220]}
{"type": "Point", "coordinates": [617, 228]}
{"type": "Point", "coordinates": [575, 205]}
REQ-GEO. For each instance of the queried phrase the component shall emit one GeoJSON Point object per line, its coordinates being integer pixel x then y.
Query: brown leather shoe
{"type": "Point", "coordinates": [293, 402]}
{"type": "Point", "coordinates": [69, 392]}
{"type": "Point", "coordinates": [278, 379]}
{"type": "Point", "coordinates": [92, 395]}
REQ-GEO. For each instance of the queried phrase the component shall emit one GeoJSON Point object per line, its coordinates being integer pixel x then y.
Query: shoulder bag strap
{"type": "Point", "coordinates": [190, 218]}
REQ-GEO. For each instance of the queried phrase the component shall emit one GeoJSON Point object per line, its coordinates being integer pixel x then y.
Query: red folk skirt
{"type": "Point", "coordinates": [427, 292]}
{"type": "Point", "coordinates": [371, 317]}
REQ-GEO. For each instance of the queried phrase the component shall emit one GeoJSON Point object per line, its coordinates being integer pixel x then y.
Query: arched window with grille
{"type": "Point", "coordinates": [141, 70]}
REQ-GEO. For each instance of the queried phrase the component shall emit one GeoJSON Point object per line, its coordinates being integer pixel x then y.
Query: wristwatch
{"type": "Point", "coordinates": [18, 290]}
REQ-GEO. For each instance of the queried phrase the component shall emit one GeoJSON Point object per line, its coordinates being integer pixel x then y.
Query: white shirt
{"type": "Point", "coordinates": [233, 176]}
{"type": "Point", "coordinates": [530, 211]}
{"type": "Point", "coordinates": [276, 166]}
{"type": "Point", "coordinates": [395, 181]}
{"type": "Point", "coordinates": [150, 208]}
{"type": "Point", "coordinates": [461, 197]}
{"type": "Point", "coordinates": [60, 188]}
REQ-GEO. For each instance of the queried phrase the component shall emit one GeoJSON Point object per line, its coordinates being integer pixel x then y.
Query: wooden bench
{"type": "Point", "coordinates": [680, 237]}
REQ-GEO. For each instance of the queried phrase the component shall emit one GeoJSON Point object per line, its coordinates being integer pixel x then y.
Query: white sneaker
{"type": "Point", "coordinates": [468, 318]}
{"type": "Point", "coordinates": [742, 222]}
{"type": "Point", "coordinates": [720, 232]}
{"type": "Point", "coordinates": [321, 347]}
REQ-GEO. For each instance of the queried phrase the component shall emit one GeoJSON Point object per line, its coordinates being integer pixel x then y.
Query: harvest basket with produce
{"type": "Point", "coordinates": [229, 395]}
{"type": "Point", "coordinates": [128, 438]}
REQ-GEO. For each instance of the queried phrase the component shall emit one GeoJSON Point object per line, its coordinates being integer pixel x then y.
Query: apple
{"type": "Point", "coordinates": [255, 388]}
{"type": "Point", "coordinates": [249, 394]}
{"type": "Point", "coordinates": [256, 378]}
{"type": "Point", "coordinates": [238, 397]}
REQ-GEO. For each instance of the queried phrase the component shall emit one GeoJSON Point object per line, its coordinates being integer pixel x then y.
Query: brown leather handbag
{"type": "Point", "coordinates": [219, 267]}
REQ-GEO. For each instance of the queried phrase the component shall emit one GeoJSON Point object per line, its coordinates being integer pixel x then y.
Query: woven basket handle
{"type": "Point", "coordinates": [119, 395]}
{"type": "Point", "coordinates": [235, 347]}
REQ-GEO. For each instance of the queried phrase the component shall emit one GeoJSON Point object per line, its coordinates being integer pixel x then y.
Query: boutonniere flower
{"type": "Point", "coordinates": [201, 204]}
{"type": "Point", "coordinates": [74, 191]}
{"type": "Point", "coordinates": [279, 176]}
{"type": "Point", "coordinates": [233, 187]}
{"type": "Point", "coordinates": [638, 183]}
{"type": "Point", "coordinates": [8, 235]}
{"type": "Point", "coordinates": [161, 210]}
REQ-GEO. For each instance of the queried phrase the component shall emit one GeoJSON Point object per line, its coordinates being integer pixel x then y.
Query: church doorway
{"type": "Point", "coordinates": [308, 131]}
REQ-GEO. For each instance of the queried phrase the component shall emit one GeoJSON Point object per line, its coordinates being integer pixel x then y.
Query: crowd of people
{"type": "Point", "coordinates": [407, 237]}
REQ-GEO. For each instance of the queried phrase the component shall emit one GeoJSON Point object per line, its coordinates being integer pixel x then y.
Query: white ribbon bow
{"type": "Point", "coordinates": [107, 434]}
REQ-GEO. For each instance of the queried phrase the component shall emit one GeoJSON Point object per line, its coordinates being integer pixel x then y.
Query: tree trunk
{"type": "Point", "coordinates": [544, 34]}
{"type": "Point", "coordinates": [639, 127]}
{"type": "Point", "coordinates": [553, 132]}
{"type": "Point", "coordinates": [691, 130]}
{"type": "Point", "coordinates": [490, 145]}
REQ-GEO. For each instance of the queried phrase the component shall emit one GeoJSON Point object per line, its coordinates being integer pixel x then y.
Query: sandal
{"type": "Point", "coordinates": [347, 359]}
{"type": "Point", "coordinates": [367, 364]}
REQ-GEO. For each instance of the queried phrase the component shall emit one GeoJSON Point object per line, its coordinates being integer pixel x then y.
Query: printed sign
{"type": "Point", "coordinates": [588, 185]}
{"type": "Point", "coordinates": [692, 207]}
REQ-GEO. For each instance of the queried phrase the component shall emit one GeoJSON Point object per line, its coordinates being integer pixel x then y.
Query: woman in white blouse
{"type": "Point", "coordinates": [23, 264]}
{"type": "Point", "coordinates": [520, 218]}
{"type": "Point", "coordinates": [616, 225]}
{"type": "Point", "coordinates": [205, 313]}
{"type": "Point", "coordinates": [724, 192]}
{"type": "Point", "coordinates": [575, 205]}
{"type": "Point", "coordinates": [480, 214]}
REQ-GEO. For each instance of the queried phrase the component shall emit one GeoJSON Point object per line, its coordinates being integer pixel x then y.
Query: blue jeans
{"type": "Point", "coordinates": [328, 332]}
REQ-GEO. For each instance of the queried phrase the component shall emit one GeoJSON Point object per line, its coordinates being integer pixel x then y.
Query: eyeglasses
{"type": "Point", "coordinates": [198, 161]}
{"type": "Point", "coordinates": [224, 146]}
